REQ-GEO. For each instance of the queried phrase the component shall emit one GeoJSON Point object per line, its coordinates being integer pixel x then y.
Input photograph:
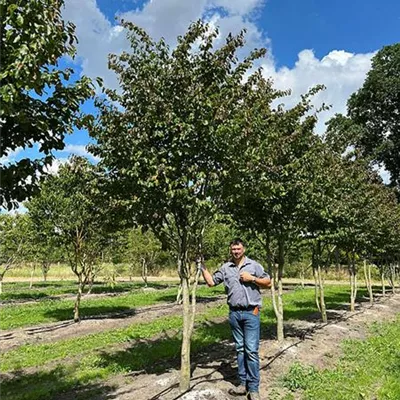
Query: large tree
{"type": "Point", "coordinates": [266, 195]}
{"type": "Point", "coordinates": [373, 121]}
{"type": "Point", "coordinates": [165, 139]}
{"type": "Point", "coordinates": [39, 101]}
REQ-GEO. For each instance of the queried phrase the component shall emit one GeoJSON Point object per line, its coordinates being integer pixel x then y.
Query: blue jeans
{"type": "Point", "coordinates": [246, 334]}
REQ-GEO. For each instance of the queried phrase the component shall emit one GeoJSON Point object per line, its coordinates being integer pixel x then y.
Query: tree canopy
{"type": "Point", "coordinates": [39, 102]}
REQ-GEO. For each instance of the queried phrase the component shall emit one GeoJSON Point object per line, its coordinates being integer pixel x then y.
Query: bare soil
{"type": "Point", "coordinates": [214, 373]}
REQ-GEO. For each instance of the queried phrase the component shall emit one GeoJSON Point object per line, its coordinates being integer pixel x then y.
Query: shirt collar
{"type": "Point", "coordinates": [245, 262]}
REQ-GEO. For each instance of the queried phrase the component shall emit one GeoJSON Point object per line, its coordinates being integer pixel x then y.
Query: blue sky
{"type": "Point", "coordinates": [308, 41]}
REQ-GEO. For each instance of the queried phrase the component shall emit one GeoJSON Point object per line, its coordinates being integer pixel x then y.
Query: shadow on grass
{"type": "Point", "coordinates": [54, 384]}
{"type": "Point", "coordinates": [90, 312]}
{"type": "Point", "coordinates": [50, 290]}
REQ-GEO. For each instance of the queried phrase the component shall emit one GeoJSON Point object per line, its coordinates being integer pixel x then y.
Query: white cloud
{"type": "Point", "coordinates": [53, 168]}
{"type": "Point", "coordinates": [238, 7]}
{"type": "Point", "coordinates": [79, 150]}
{"type": "Point", "coordinates": [99, 37]}
{"type": "Point", "coordinates": [341, 72]}
{"type": "Point", "coordinates": [11, 156]}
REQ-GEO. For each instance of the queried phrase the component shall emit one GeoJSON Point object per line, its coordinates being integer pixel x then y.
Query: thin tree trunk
{"type": "Point", "coordinates": [45, 270]}
{"type": "Point", "coordinates": [185, 350]}
{"type": "Point", "coordinates": [32, 273]}
{"type": "Point", "coordinates": [302, 275]}
{"type": "Point", "coordinates": [78, 300]}
{"type": "Point", "coordinates": [279, 302]}
{"type": "Point", "coordinates": [393, 278]}
{"type": "Point", "coordinates": [353, 284]}
{"type": "Point", "coordinates": [367, 275]}
{"type": "Point", "coordinates": [316, 288]}
{"type": "Point", "coordinates": [322, 295]}
{"type": "Point", "coordinates": [144, 271]}
{"type": "Point", "coordinates": [179, 295]}
{"type": "Point", "coordinates": [383, 281]}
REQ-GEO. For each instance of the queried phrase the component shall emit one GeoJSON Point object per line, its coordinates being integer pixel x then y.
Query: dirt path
{"type": "Point", "coordinates": [309, 342]}
{"type": "Point", "coordinates": [45, 333]}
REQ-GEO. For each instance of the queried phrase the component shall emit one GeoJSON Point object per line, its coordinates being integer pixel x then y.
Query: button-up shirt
{"type": "Point", "coordinates": [240, 294]}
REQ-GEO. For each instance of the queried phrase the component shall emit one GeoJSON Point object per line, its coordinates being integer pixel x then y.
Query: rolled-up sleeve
{"type": "Point", "coordinates": [218, 277]}
{"type": "Point", "coordinates": [260, 273]}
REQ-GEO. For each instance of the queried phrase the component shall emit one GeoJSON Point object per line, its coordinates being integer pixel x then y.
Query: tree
{"type": "Point", "coordinates": [266, 193]}
{"type": "Point", "coordinates": [164, 140]}
{"type": "Point", "coordinates": [373, 121]}
{"type": "Point", "coordinates": [44, 250]}
{"type": "Point", "coordinates": [143, 248]}
{"type": "Point", "coordinates": [38, 104]}
{"type": "Point", "coordinates": [14, 242]}
{"type": "Point", "coordinates": [72, 208]}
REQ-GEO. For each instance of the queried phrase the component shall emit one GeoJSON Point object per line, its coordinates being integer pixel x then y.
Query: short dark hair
{"type": "Point", "coordinates": [237, 241]}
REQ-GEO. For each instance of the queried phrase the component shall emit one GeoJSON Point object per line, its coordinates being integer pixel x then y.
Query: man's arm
{"type": "Point", "coordinates": [263, 283]}
{"type": "Point", "coordinates": [207, 276]}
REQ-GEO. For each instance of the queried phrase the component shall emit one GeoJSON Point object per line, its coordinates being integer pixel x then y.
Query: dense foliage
{"type": "Point", "coordinates": [39, 103]}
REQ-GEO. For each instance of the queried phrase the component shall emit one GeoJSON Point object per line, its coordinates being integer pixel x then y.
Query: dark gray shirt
{"type": "Point", "coordinates": [240, 294]}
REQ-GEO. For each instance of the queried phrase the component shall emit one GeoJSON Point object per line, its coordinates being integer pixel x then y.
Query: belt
{"type": "Point", "coordinates": [242, 308]}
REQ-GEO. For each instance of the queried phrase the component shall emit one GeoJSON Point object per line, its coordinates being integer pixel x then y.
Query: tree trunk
{"type": "Point", "coordinates": [319, 280]}
{"type": "Point", "coordinates": [45, 270]}
{"type": "Point", "coordinates": [368, 283]}
{"type": "Point", "coordinates": [316, 288]}
{"type": "Point", "coordinates": [32, 273]}
{"type": "Point", "coordinates": [275, 284]}
{"type": "Point", "coordinates": [393, 278]}
{"type": "Point", "coordinates": [279, 303]}
{"type": "Point", "coordinates": [188, 317]}
{"type": "Point", "coordinates": [383, 281]}
{"type": "Point", "coordinates": [185, 350]}
{"type": "Point", "coordinates": [78, 299]}
{"type": "Point", "coordinates": [353, 283]}
{"type": "Point", "coordinates": [322, 295]}
{"type": "Point", "coordinates": [302, 273]}
{"type": "Point", "coordinates": [144, 271]}
{"type": "Point", "coordinates": [179, 295]}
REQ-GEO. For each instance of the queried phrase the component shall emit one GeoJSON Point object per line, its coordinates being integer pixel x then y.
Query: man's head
{"type": "Point", "coordinates": [238, 248]}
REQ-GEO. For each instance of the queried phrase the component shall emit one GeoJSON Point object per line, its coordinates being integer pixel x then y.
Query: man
{"type": "Point", "coordinates": [243, 278]}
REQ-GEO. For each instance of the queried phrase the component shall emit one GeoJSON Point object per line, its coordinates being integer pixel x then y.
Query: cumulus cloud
{"type": "Point", "coordinates": [98, 36]}
{"type": "Point", "coordinates": [11, 156]}
{"type": "Point", "coordinates": [341, 72]}
{"type": "Point", "coordinates": [53, 168]}
{"type": "Point", "coordinates": [79, 150]}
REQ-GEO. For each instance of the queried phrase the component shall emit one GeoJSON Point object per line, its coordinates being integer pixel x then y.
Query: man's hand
{"type": "Point", "coordinates": [207, 276]}
{"type": "Point", "coordinates": [246, 277]}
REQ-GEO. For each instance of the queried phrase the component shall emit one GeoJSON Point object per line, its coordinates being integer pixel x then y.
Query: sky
{"type": "Point", "coordinates": [308, 42]}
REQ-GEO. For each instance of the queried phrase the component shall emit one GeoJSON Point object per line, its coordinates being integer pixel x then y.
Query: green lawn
{"type": "Point", "coordinates": [20, 291]}
{"type": "Point", "coordinates": [53, 310]}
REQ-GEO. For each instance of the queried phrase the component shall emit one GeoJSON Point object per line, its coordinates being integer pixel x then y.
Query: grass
{"type": "Point", "coordinates": [99, 355]}
{"type": "Point", "coordinates": [20, 291]}
{"type": "Point", "coordinates": [46, 311]}
{"type": "Point", "coordinates": [369, 369]}
{"type": "Point", "coordinates": [95, 357]}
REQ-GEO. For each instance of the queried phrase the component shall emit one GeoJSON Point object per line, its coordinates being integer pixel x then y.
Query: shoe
{"type": "Point", "coordinates": [238, 391]}
{"type": "Point", "coordinates": [253, 396]}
